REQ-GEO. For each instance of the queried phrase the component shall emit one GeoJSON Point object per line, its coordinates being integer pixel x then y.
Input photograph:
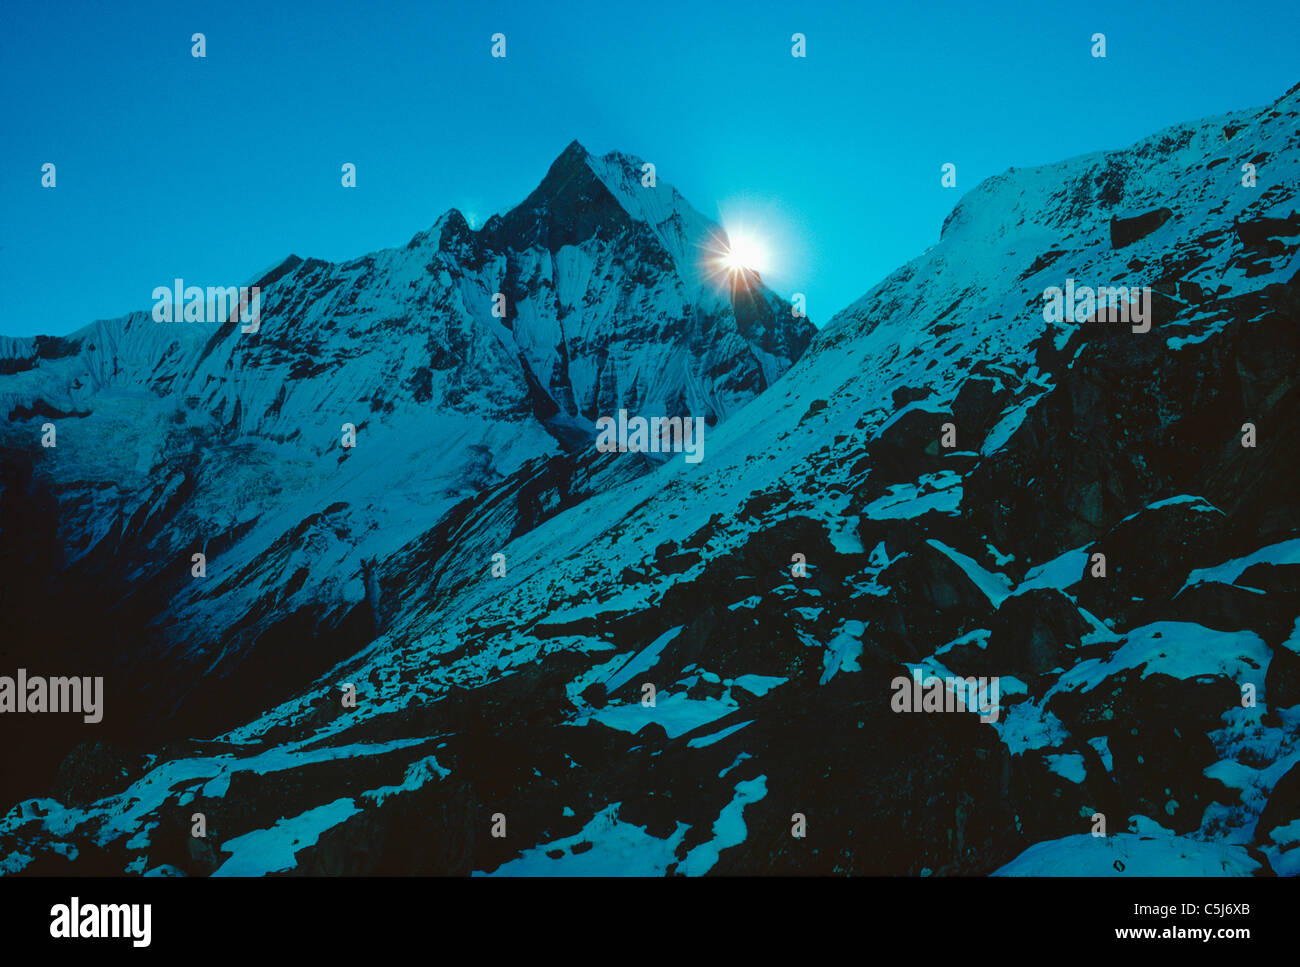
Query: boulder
{"type": "Point", "coordinates": [1034, 632]}
{"type": "Point", "coordinates": [1126, 231]}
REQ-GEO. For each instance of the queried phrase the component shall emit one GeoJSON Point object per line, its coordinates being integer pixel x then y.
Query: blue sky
{"type": "Point", "coordinates": [214, 169]}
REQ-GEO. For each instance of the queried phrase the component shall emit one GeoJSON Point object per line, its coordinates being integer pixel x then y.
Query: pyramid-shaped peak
{"type": "Point", "coordinates": [574, 147]}
{"type": "Point", "coordinates": [585, 195]}
{"type": "Point", "coordinates": [576, 169]}
{"type": "Point", "coordinates": [568, 164]}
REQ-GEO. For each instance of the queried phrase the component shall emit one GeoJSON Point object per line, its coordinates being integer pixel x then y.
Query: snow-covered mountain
{"type": "Point", "coordinates": [923, 492]}
{"type": "Point", "coordinates": [465, 360]}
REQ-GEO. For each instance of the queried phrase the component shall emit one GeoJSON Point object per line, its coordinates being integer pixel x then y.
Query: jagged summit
{"type": "Point", "coordinates": [582, 197]}
{"type": "Point", "coordinates": [569, 206]}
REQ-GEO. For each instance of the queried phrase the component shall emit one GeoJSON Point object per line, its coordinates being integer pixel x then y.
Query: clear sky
{"type": "Point", "coordinates": [214, 169]}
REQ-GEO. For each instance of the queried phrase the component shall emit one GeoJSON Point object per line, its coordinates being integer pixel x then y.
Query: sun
{"type": "Point", "coordinates": [745, 252]}
{"type": "Point", "coordinates": [737, 255]}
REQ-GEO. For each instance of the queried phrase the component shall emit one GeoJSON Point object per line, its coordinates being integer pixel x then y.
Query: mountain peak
{"type": "Point", "coordinates": [574, 148]}
{"type": "Point", "coordinates": [567, 164]}
{"type": "Point", "coordinates": [583, 195]}
{"type": "Point", "coordinates": [569, 205]}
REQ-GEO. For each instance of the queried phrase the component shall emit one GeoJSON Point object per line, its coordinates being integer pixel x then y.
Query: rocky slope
{"type": "Point", "coordinates": [501, 724]}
